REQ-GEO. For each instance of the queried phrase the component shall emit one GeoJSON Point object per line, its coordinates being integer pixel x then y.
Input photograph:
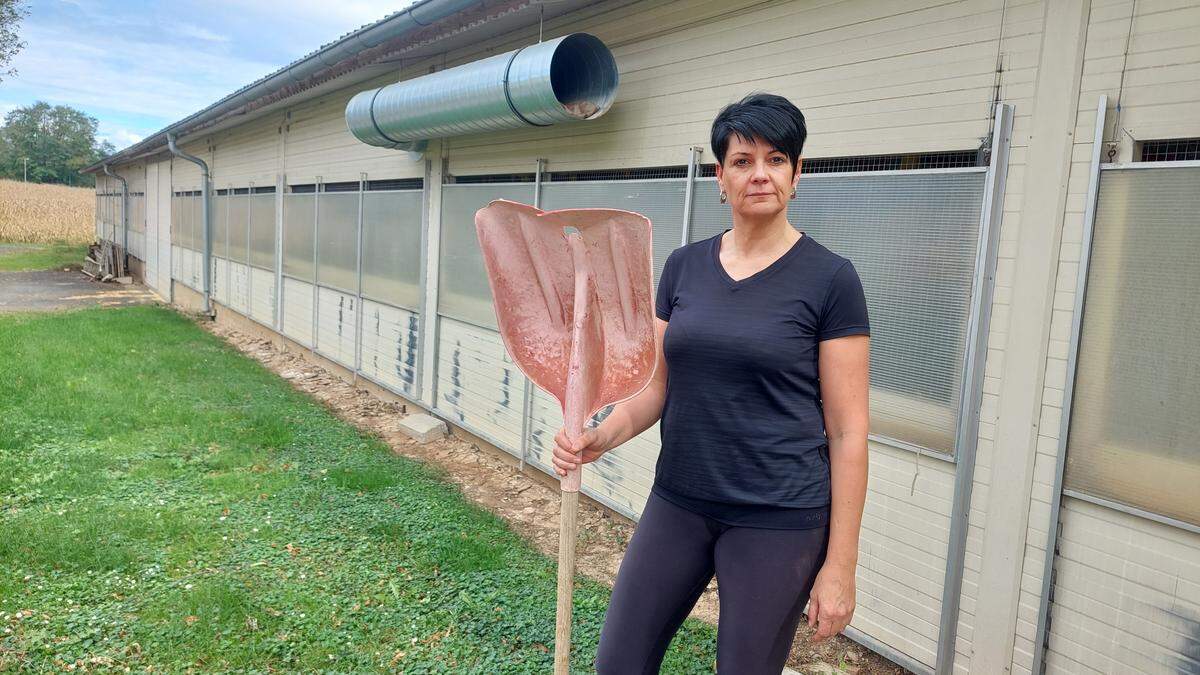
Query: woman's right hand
{"type": "Point", "coordinates": [567, 456]}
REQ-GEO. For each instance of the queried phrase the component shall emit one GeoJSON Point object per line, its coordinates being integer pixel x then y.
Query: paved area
{"type": "Point", "coordinates": [55, 289]}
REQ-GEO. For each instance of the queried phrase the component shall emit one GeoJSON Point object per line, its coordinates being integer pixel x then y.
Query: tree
{"type": "Point", "coordinates": [58, 141]}
{"type": "Point", "coordinates": [11, 14]}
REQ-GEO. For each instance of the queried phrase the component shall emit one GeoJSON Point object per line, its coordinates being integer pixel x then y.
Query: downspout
{"type": "Point", "coordinates": [204, 215]}
{"type": "Point", "coordinates": [124, 215]}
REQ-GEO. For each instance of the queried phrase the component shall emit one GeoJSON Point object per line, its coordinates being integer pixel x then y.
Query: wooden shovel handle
{"type": "Point", "coordinates": [566, 582]}
{"type": "Point", "coordinates": [573, 419]}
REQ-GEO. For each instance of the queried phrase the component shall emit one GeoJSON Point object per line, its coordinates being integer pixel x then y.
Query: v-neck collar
{"type": "Point", "coordinates": [715, 255]}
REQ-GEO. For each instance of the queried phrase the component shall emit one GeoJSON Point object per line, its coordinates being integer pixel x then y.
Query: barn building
{"type": "Point", "coordinates": [992, 168]}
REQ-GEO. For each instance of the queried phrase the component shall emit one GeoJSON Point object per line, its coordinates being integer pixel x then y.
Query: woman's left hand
{"type": "Point", "coordinates": [831, 602]}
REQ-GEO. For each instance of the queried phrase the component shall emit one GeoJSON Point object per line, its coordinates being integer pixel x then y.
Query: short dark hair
{"type": "Point", "coordinates": [768, 117]}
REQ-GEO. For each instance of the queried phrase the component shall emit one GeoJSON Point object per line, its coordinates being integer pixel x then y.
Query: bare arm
{"type": "Point", "coordinates": [845, 386]}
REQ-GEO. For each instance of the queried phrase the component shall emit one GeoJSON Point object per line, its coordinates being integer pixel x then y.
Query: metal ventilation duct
{"type": "Point", "coordinates": [573, 77]}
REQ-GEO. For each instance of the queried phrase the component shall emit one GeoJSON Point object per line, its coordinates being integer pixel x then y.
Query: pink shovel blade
{"type": "Point", "coordinates": [532, 268]}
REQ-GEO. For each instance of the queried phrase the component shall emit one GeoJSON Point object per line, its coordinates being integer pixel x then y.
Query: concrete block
{"type": "Point", "coordinates": [423, 428]}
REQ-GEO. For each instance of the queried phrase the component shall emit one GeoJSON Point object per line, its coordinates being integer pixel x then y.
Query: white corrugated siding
{"type": "Point", "coordinates": [221, 276]}
{"type": "Point", "coordinates": [872, 78]}
{"type": "Point", "coordinates": [478, 385]}
{"type": "Point", "coordinates": [389, 346]}
{"type": "Point", "coordinates": [239, 287]}
{"type": "Point", "coordinates": [337, 321]}
{"type": "Point", "coordinates": [186, 175]}
{"type": "Point", "coordinates": [247, 154]}
{"type": "Point", "coordinates": [318, 144]}
{"type": "Point", "coordinates": [262, 295]}
{"type": "Point", "coordinates": [1160, 99]}
{"type": "Point", "coordinates": [297, 310]}
{"type": "Point", "coordinates": [1127, 596]}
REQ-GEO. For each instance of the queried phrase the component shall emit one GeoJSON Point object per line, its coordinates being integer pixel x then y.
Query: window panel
{"type": "Point", "coordinates": [1134, 428]}
{"type": "Point", "coordinates": [262, 230]}
{"type": "Point", "coordinates": [238, 222]}
{"type": "Point", "coordinates": [220, 225]}
{"type": "Point", "coordinates": [463, 290]}
{"type": "Point", "coordinates": [185, 222]}
{"type": "Point", "coordinates": [176, 217]}
{"type": "Point", "coordinates": [659, 200]}
{"type": "Point", "coordinates": [337, 240]}
{"type": "Point", "coordinates": [298, 221]}
{"type": "Point", "coordinates": [392, 247]}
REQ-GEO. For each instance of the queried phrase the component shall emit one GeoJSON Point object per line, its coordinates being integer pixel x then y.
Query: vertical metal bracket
{"type": "Point", "coordinates": [689, 192]}
{"type": "Point", "coordinates": [316, 292]}
{"type": "Point", "coordinates": [967, 434]}
{"type": "Point", "coordinates": [362, 185]}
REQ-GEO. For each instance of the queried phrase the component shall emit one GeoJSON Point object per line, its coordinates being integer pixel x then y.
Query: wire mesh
{"type": "Point", "coordinates": [865, 163]}
{"type": "Point", "coordinates": [1173, 150]}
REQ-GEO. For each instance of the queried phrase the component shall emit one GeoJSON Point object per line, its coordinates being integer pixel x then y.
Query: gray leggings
{"type": "Point", "coordinates": [763, 580]}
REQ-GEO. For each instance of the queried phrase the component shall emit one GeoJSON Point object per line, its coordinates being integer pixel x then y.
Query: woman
{"type": "Point", "coordinates": [763, 469]}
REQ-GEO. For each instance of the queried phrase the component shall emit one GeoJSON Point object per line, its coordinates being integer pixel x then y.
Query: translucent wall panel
{"type": "Point", "coordinates": [198, 222]}
{"type": "Point", "coordinates": [238, 217]}
{"type": "Point", "coordinates": [659, 200]}
{"type": "Point", "coordinates": [392, 247]}
{"type": "Point", "coordinates": [220, 225]}
{"type": "Point", "coordinates": [1134, 428]}
{"type": "Point", "coordinates": [463, 290]}
{"type": "Point", "coordinates": [262, 230]}
{"type": "Point", "coordinates": [298, 221]}
{"type": "Point", "coordinates": [176, 217]}
{"type": "Point", "coordinates": [912, 239]}
{"type": "Point", "coordinates": [337, 240]}
{"type": "Point", "coordinates": [185, 222]}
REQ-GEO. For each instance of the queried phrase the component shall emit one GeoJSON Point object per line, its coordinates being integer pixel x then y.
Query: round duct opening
{"type": "Point", "coordinates": [583, 75]}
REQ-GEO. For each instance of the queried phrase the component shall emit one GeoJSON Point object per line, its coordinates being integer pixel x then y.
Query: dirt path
{"type": "Point", "coordinates": [57, 289]}
{"type": "Point", "coordinates": [527, 504]}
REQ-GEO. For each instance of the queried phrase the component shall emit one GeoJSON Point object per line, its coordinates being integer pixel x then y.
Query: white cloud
{"type": "Point", "coordinates": [151, 66]}
{"type": "Point", "coordinates": [119, 137]}
{"type": "Point", "coordinates": [199, 32]}
{"type": "Point", "coordinates": [118, 73]}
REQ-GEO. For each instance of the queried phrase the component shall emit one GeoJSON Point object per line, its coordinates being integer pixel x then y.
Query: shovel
{"type": "Point", "coordinates": [574, 302]}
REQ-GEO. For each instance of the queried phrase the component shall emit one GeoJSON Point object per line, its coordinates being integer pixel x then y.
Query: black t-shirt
{"type": "Point", "coordinates": [743, 433]}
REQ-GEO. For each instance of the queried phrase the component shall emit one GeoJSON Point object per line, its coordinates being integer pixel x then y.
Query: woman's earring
{"type": "Point", "coordinates": [793, 193]}
{"type": "Point", "coordinates": [724, 197]}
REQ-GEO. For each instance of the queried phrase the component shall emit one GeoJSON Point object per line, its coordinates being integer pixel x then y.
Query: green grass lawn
{"type": "Point", "coordinates": [22, 257]}
{"type": "Point", "coordinates": [169, 503]}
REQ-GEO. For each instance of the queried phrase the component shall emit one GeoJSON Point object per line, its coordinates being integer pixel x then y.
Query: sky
{"type": "Point", "coordinates": [138, 66]}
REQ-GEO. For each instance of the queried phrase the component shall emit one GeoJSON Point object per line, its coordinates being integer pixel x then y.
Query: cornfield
{"type": "Point", "coordinates": [37, 213]}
